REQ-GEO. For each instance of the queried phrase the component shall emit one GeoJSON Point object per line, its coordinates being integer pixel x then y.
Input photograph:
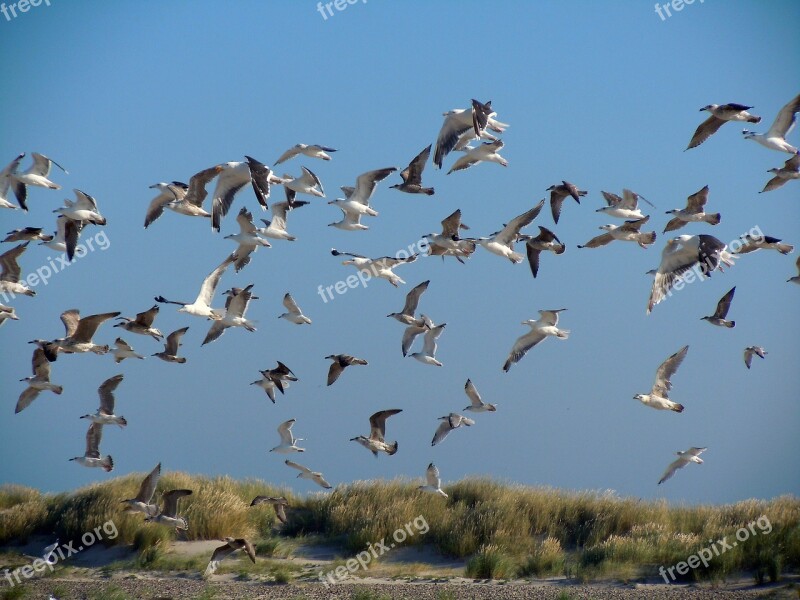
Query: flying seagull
{"type": "Point", "coordinates": [279, 378]}
{"type": "Point", "coordinates": [7, 181]}
{"type": "Point", "coordinates": [39, 382]}
{"type": "Point", "coordinates": [288, 441]}
{"type": "Point", "coordinates": [375, 442]}
{"type": "Point", "coordinates": [276, 228]}
{"type": "Point", "coordinates": [169, 512]}
{"type": "Point", "coordinates": [309, 150]}
{"type": "Point", "coordinates": [294, 314]}
{"type": "Point", "coordinates": [763, 242]}
{"type": "Point", "coordinates": [170, 352]}
{"type": "Point", "coordinates": [502, 242]}
{"type": "Point", "coordinates": [724, 304]}
{"type": "Point", "coordinates": [684, 253]}
{"type": "Point", "coordinates": [105, 414]}
{"type": "Point", "coordinates": [448, 243]}
{"type": "Point", "coordinates": [279, 504]}
{"type": "Point", "coordinates": [123, 350]}
{"type": "Point", "coordinates": [27, 234]}
{"type": "Point", "coordinates": [434, 482]}
{"type": "Point", "coordinates": [234, 176]}
{"type": "Point", "coordinates": [476, 404]}
{"type": "Point", "coordinates": [92, 456]}
{"type": "Point", "coordinates": [534, 246]}
{"type": "Point", "coordinates": [340, 362]}
{"type": "Point", "coordinates": [693, 213]}
{"type": "Point", "coordinates": [448, 423]}
{"type": "Point", "coordinates": [65, 237]}
{"type": "Point", "coordinates": [412, 175]}
{"type": "Point", "coordinates": [751, 351]}
{"type": "Point", "coordinates": [720, 113]}
{"type": "Point", "coordinates": [181, 198]}
{"type": "Point", "coordinates": [540, 329]}
{"type": "Point", "coordinates": [6, 313]}
{"type": "Point", "coordinates": [83, 209]}
{"type": "Point", "coordinates": [201, 307]}
{"type": "Point", "coordinates": [248, 239]}
{"type": "Point", "coordinates": [796, 278]}
{"type": "Point", "coordinates": [627, 232]}
{"type": "Point", "coordinates": [486, 152]}
{"type": "Point", "coordinates": [558, 193]}
{"type": "Point", "coordinates": [235, 307]}
{"type": "Point", "coordinates": [775, 138]}
{"type": "Point", "coordinates": [626, 207]}
{"type": "Point", "coordinates": [658, 397]}
{"type": "Point", "coordinates": [356, 201]}
{"type": "Point", "coordinates": [307, 183]}
{"type": "Point", "coordinates": [306, 473]}
{"type": "Point", "coordinates": [428, 354]}
{"type": "Point", "coordinates": [231, 545]}
{"type": "Point", "coordinates": [142, 324]}
{"type": "Point", "coordinates": [692, 455]}
{"type": "Point", "coordinates": [142, 502]}
{"type": "Point", "coordinates": [36, 175]}
{"type": "Point", "coordinates": [376, 267]}
{"type": "Point", "coordinates": [11, 272]}
{"type": "Point", "coordinates": [459, 121]}
{"type": "Point", "coordinates": [406, 316]}
{"type": "Point", "coordinates": [79, 333]}
{"type": "Point", "coordinates": [789, 170]}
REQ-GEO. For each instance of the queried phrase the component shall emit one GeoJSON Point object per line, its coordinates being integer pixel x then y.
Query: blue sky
{"type": "Point", "coordinates": [603, 95]}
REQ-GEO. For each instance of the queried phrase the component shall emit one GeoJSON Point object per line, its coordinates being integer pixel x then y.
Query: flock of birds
{"type": "Point", "coordinates": [461, 129]}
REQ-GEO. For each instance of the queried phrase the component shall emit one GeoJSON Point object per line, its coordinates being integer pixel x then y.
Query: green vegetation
{"type": "Point", "coordinates": [503, 530]}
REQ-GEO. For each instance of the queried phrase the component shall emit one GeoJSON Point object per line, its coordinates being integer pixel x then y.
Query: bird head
{"type": "Point", "coordinates": [708, 107]}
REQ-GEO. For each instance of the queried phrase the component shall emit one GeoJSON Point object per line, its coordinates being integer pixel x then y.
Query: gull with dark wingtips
{"type": "Point", "coordinates": [201, 307]}
{"type": "Point", "coordinates": [248, 239]}
{"type": "Point", "coordinates": [376, 267]}
{"type": "Point", "coordinates": [763, 242]}
{"type": "Point", "coordinates": [309, 150]}
{"type": "Point", "coordinates": [448, 424]}
{"type": "Point", "coordinates": [142, 324]}
{"type": "Point", "coordinates": [181, 198]}
{"type": "Point", "coordinates": [434, 481]}
{"type": "Point", "coordinates": [306, 473]}
{"type": "Point", "coordinates": [502, 242]}
{"type": "Point", "coordinates": [340, 363]}
{"type": "Point", "coordinates": [692, 455]}
{"type": "Point", "coordinates": [476, 404]}
{"type": "Point", "coordinates": [719, 115]}
{"type": "Point", "coordinates": [11, 272]}
{"type": "Point", "coordinates": [406, 316]}
{"type": "Point", "coordinates": [39, 382]}
{"type": "Point", "coordinates": [541, 329]}
{"type": "Point", "coordinates": [169, 512]}
{"type": "Point", "coordinates": [36, 175]}
{"type": "Point", "coordinates": [534, 246]}
{"type": "Point", "coordinates": [288, 441]}
{"type": "Point", "coordinates": [277, 378]}
{"type": "Point", "coordinates": [376, 441]}
{"type": "Point", "coordinates": [658, 397]}
{"type": "Point", "coordinates": [279, 504]}
{"type": "Point", "coordinates": [105, 414]}
{"type": "Point", "coordinates": [630, 231]}
{"type": "Point", "coordinates": [142, 502]}
{"type": "Point", "coordinates": [626, 207]}
{"type": "Point", "coordinates": [123, 350]}
{"type": "Point", "coordinates": [293, 314]}
{"type": "Point", "coordinates": [752, 351]}
{"type": "Point", "coordinates": [231, 545]}
{"type": "Point", "coordinates": [789, 170]}
{"type": "Point", "coordinates": [559, 192]}
{"type": "Point", "coordinates": [723, 306]}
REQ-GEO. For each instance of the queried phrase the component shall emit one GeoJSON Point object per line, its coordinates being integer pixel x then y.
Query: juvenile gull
{"type": "Point", "coordinates": [775, 138]}
{"type": "Point", "coordinates": [309, 150]}
{"type": "Point", "coordinates": [476, 404]}
{"type": "Point", "coordinates": [181, 198]}
{"type": "Point", "coordinates": [627, 232]}
{"type": "Point", "coordinates": [720, 113]}
{"type": "Point", "coordinates": [231, 546]}
{"type": "Point", "coordinates": [142, 502]}
{"type": "Point", "coordinates": [169, 512]}
{"type": "Point", "coordinates": [428, 354]}
{"type": "Point", "coordinates": [412, 175]}
{"type": "Point", "coordinates": [279, 378]}
{"type": "Point", "coordinates": [39, 382]}
{"type": "Point", "coordinates": [123, 350]}
{"type": "Point", "coordinates": [79, 333]}
{"type": "Point", "coordinates": [751, 351]}
{"type": "Point", "coordinates": [763, 242]}
{"type": "Point", "coordinates": [279, 504]}
{"type": "Point", "coordinates": [170, 352]}
{"type": "Point", "coordinates": [406, 316]}
{"type": "Point", "coordinates": [658, 397]}
{"type": "Point", "coordinates": [534, 246]}
{"type": "Point", "coordinates": [693, 213]}
{"type": "Point", "coordinates": [448, 243]}
{"type": "Point", "coordinates": [692, 455]}
{"type": "Point", "coordinates": [27, 234]}
{"type": "Point", "coordinates": [340, 362]}
{"type": "Point", "coordinates": [558, 193]}
{"type": "Point", "coordinates": [542, 328]}
{"type": "Point", "coordinates": [376, 267]}
{"type": "Point", "coordinates": [248, 239]}
{"type": "Point", "coordinates": [92, 456]}
{"type": "Point", "coordinates": [789, 170]}
{"type": "Point", "coordinates": [375, 442]}
{"type": "Point", "coordinates": [502, 242]}
{"type": "Point", "coordinates": [723, 306]}
{"type": "Point", "coordinates": [486, 152]}
{"type": "Point", "coordinates": [294, 314]}
{"type": "Point", "coordinates": [288, 441]}
{"type": "Point", "coordinates": [448, 423]}
{"type": "Point", "coordinates": [434, 482]}
{"type": "Point", "coordinates": [201, 307]}
{"type": "Point", "coordinates": [306, 473]}
{"type": "Point", "coordinates": [142, 324]}
{"type": "Point", "coordinates": [105, 414]}
{"type": "Point", "coordinates": [11, 271]}
{"type": "Point", "coordinates": [36, 175]}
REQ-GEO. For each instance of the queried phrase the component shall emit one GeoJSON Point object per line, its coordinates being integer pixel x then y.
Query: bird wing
{"type": "Point", "coordinates": [245, 221]}
{"type": "Point", "coordinates": [389, 262]}
{"type": "Point", "coordinates": [785, 120]}
{"type": "Point", "coordinates": [612, 199]}
{"type": "Point", "coordinates": [322, 481]}
{"type": "Point", "coordinates": [259, 178]}
{"type": "Point", "coordinates": [634, 225]}
{"type": "Point", "coordinates": [85, 201]}
{"type": "Point", "coordinates": [377, 422]}
{"type": "Point", "coordinates": [696, 451]}
{"type": "Point", "coordinates": [509, 233]}
{"type": "Point", "coordinates": [174, 341]}
{"type": "Point", "coordinates": [290, 153]}
{"type": "Point", "coordinates": [229, 182]}
{"type": "Point", "coordinates": [148, 486]}
{"type": "Point", "coordinates": [40, 365]}
{"type": "Point", "coordinates": [279, 210]}
{"type": "Point", "coordinates": [455, 123]}
{"type": "Point", "coordinates": [10, 267]}
{"type": "Point", "coordinates": [87, 326]}
{"type": "Point", "coordinates": [25, 398]}
{"type": "Point", "coordinates": [285, 431]}
{"type": "Point", "coordinates": [533, 258]}
{"type": "Point", "coordinates": [93, 436]}
{"type": "Point", "coordinates": [311, 179]}
{"type": "Point", "coordinates": [441, 432]}
{"type": "Point", "coordinates": [523, 344]}
{"type": "Point", "coordinates": [106, 392]}
{"type": "Point", "coordinates": [291, 305]}
{"type": "Point", "coordinates": [367, 182]}
{"type": "Point", "coordinates": [409, 335]}
{"type": "Point", "coordinates": [673, 224]}
{"type": "Point", "coordinates": [412, 298]}
{"type": "Point", "coordinates": [413, 172]}
{"type": "Point", "coordinates": [432, 476]}
{"type": "Point", "coordinates": [197, 193]}
{"type": "Point", "coordinates": [472, 394]}
{"type": "Point", "coordinates": [299, 467]}
{"type": "Point", "coordinates": [550, 317]}
{"type": "Point", "coordinates": [209, 285]}
{"type": "Point", "coordinates": [239, 301]}
{"type": "Point", "coordinates": [697, 201]}
{"type": "Point", "coordinates": [667, 369]}
{"type": "Point", "coordinates": [215, 331]}
{"type": "Point", "coordinates": [724, 304]}
{"type": "Point", "coordinates": [673, 466]}
{"type": "Point", "coordinates": [171, 501]}
{"type": "Point", "coordinates": [156, 207]}
{"type": "Point", "coordinates": [600, 240]}
{"type": "Point", "coordinates": [336, 252]}
{"type": "Point", "coordinates": [452, 223]}
{"type": "Point", "coordinates": [774, 183]}
{"type": "Point", "coordinates": [429, 345]}
{"type": "Point", "coordinates": [705, 130]}
{"type": "Point", "coordinates": [146, 318]}
{"type": "Point", "coordinates": [70, 318]}
{"type": "Point", "coordinates": [334, 371]}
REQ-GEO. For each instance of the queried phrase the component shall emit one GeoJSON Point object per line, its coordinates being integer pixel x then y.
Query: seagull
{"type": "Point", "coordinates": [309, 150]}
{"type": "Point", "coordinates": [35, 175]}
{"type": "Point", "coordinates": [415, 328]}
{"type": "Point", "coordinates": [486, 152]}
{"type": "Point", "coordinates": [6, 182]}
{"type": "Point", "coordinates": [502, 242]}
{"type": "Point", "coordinates": [340, 362]}
{"type": "Point", "coordinates": [406, 316]}
{"type": "Point", "coordinates": [7, 312]}
{"type": "Point", "coordinates": [658, 397]}
{"type": "Point", "coordinates": [448, 243]}
{"type": "Point", "coordinates": [65, 238]}
{"type": "Point", "coordinates": [476, 404]}
{"type": "Point", "coordinates": [170, 353]}
{"type": "Point", "coordinates": [375, 442]}
{"type": "Point", "coordinates": [142, 324]}
{"type": "Point", "coordinates": [626, 207]}
{"type": "Point", "coordinates": [83, 209]}
{"type": "Point", "coordinates": [628, 232]}
{"type": "Point", "coordinates": [307, 183]}
{"type": "Point", "coordinates": [684, 253]}
{"type": "Point", "coordinates": [201, 307]}
{"type": "Point", "coordinates": [458, 122]}
{"type": "Point", "coordinates": [10, 274]}
{"type": "Point", "coordinates": [123, 351]}
{"type": "Point", "coordinates": [448, 423]}
{"type": "Point", "coordinates": [351, 221]}
{"type": "Point", "coordinates": [235, 307]}
{"type": "Point", "coordinates": [279, 504]}
{"type": "Point", "coordinates": [775, 138]}
{"type": "Point", "coordinates": [789, 170]}
{"type": "Point", "coordinates": [356, 201]}
{"type": "Point", "coordinates": [724, 304]}
{"type": "Point", "coordinates": [248, 239]}
{"type": "Point", "coordinates": [558, 193]}
{"type": "Point", "coordinates": [753, 350]}
{"type": "Point", "coordinates": [796, 278]}
{"type": "Point", "coordinates": [434, 484]}
{"type": "Point", "coordinates": [231, 546]}
{"type": "Point", "coordinates": [720, 113]}
{"type": "Point", "coordinates": [693, 213]}
{"type": "Point", "coordinates": [38, 383]}
{"type": "Point", "coordinates": [288, 441]}
{"type": "Point", "coordinates": [105, 414]}
{"type": "Point", "coordinates": [279, 378]}
{"type": "Point", "coordinates": [763, 242]}
{"type": "Point", "coordinates": [692, 455]}
{"type": "Point", "coordinates": [294, 314]}
{"type": "Point", "coordinates": [427, 355]}
{"type": "Point", "coordinates": [412, 175]}
{"type": "Point", "coordinates": [181, 198]}
{"type": "Point", "coordinates": [377, 267]}
{"type": "Point", "coordinates": [169, 513]}
{"type": "Point", "coordinates": [92, 456]}
{"type": "Point", "coordinates": [306, 473]}
{"type": "Point", "coordinates": [233, 176]}
{"type": "Point", "coordinates": [27, 234]}
{"type": "Point", "coordinates": [276, 228]}
{"type": "Point", "coordinates": [142, 502]}
{"type": "Point", "coordinates": [540, 329]}
{"type": "Point", "coordinates": [546, 240]}
{"type": "Point", "coordinates": [79, 333]}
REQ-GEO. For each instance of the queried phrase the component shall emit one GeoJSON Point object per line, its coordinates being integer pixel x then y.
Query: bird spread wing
{"type": "Point", "coordinates": [667, 369]}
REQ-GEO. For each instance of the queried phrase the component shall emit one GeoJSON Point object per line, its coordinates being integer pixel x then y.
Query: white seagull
{"type": "Point", "coordinates": [276, 228]}
{"type": "Point", "coordinates": [775, 138]}
{"type": "Point", "coordinates": [306, 473]}
{"type": "Point", "coordinates": [486, 152]}
{"type": "Point", "coordinates": [309, 150]}
{"type": "Point", "coordinates": [65, 238]}
{"type": "Point", "coordinates": [692, 455]}
{"type": "Point", "coordinates": [406, 316]}
{"type": "Point", "coordinates": [796, 278]}
{"type": "Point", "coordinates": [35, 175]}
{"type": "Point", "coordinates": [376, 267]}
{"type": "Point", "coordinates": [181, 198]}
{"type": "Point", "coordinates": [502, 242]}
{"type": "Point", "coordinates": [789, 170]}
{"type": "Point", "coordinates": [457, 122]}
{"type": "Point", "coordinates": [248, 239]}
{"type": "Point", "coordinates": [751, 351]}
{"type": "Point", "coordinates": [11, 272]}
{"type": "Point", "coordinates": [105, 414]}
{"type": "Point", "coordinates": [356, 201]}
{"type": "Point", "coordinates": [658, 397]}
{"type": "Point", "coordinates": [693, 213]}
{"type": "Point", "coordinates": [6, 313]}
{"type": "Point", "coordinates": [375, 442]}
{"type": "Point", "coordinates": [628, 232]}
{"type": "Point", "coordinates": [277, 378]}
{"type": "Point", "coordinates": [434, 482]}
{"type": "Point", "coordinates": [720, 114]}
{"type": "Point", "coordinates": [415, 328]}
{"type": "Point", "coordinates": [39, 382]}
{"type": "Point", "coordinates": [123, 350]}
{"type": "Point", "coordinates": [236, 305]}
{"type": "Point", "coordinates": [307, 183]}
{"type": "Point", "coordinates": [288, 441]}
{"type": "Point", "coordinates": [294, 314]}
{"type": "Point", "coordinates": [626, 207]}
{"type": "Point", "coordinates": [201, 307]}
{"type": "Point", "coordinates": [7, 180]}
{"type": "Point", "coordinates": [448, 423]}
{"type": "Point", "coordinates": [428, 354]}
{"type": "Point", "coordinates": [542, 328]}
{"type": "Point", "coordinates": [83, 209]}
{"type": "Point", "coordinates": [763, 242]}
{"type": "Point", "coordinates": [476, 404]}
{"type": "Point", "coordinates": [92, 456]}
{"type": "Point", "coordinates": [232, 178]}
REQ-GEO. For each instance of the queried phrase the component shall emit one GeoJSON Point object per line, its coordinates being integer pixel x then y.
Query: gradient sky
{"type": "Point", "coordinates": [605, 95]}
